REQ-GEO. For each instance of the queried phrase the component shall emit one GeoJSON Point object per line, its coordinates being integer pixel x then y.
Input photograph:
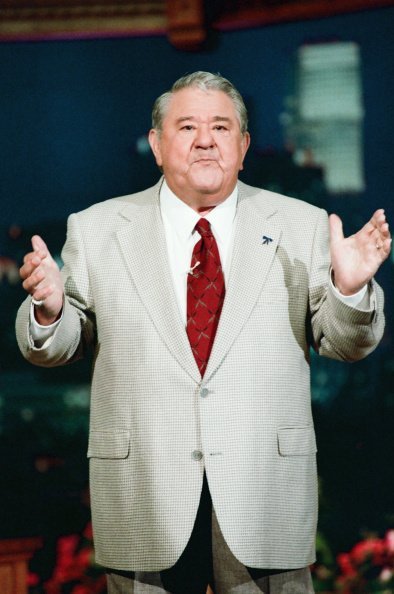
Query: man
{"type": "Point", "coordinates": [201, 297]}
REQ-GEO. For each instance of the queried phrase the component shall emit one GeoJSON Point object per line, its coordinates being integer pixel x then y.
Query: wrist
{"type": "Point", "coordinates": [44, 319]}
{"type": "Point", "coordinates": [44, 315]}
{"type": "Point", "coordinates": [342, 288]}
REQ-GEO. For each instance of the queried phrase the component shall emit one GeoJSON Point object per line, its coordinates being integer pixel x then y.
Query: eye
{"type": "Point", "coordinates": [220, 127]}
{"type": "Point", "coordinates": [187, 127]}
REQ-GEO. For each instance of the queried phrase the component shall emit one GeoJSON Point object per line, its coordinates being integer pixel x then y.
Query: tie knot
{"type": "Point", "coordinates": [203, 227]}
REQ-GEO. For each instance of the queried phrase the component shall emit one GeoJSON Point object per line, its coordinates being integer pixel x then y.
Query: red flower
{"type": "Point", "coordinates": [389, 538]}
{"type": "Point", "coordinates": [345, 564]}
{"type": "Point", "coordinates": [74, 560]}
{"type": "Point", "coordinates": [88, 531]}
{"type": "Point", "coordinates": [81, 589]}
{"type": "Point", "coordinates": [371, 549]}
{"type": "Point", "coordinates": [370, 563]}
{"type": "Point", "coordinates": [83, 558]}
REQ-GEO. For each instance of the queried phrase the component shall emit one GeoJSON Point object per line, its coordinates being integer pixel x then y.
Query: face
{"type": "Point", "coordinates": [200, 148]}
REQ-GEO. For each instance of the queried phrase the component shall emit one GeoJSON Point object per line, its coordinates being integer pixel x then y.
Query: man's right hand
{"type": "Point", "coordinates": [42, 280]}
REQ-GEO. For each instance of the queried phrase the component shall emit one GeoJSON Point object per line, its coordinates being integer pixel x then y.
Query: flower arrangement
{"type": "Point", "coordinates": [75, 571]}
{"type": "Point", "coordinates": [367, 568]}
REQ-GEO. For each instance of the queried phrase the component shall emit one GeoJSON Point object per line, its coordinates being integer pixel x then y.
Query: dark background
{"type": "Point", "coordinates": [71, 113]}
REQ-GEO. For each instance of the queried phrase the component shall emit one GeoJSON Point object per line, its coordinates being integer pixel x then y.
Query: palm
{"type": "Point", "coordinates": [356, 259]}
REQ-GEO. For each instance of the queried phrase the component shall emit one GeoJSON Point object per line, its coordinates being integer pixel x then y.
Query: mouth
{"type": "Point", "coordinates": [205, 160]}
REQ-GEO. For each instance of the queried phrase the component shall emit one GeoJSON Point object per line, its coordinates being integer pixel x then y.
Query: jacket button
{"type": "Point", "coordinates": [196, 455]}
{"type": "Point", "coordinates": [204, 392]}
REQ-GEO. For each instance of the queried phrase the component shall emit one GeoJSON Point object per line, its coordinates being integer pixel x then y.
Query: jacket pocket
{"type": "Point", "coordinates": [109, 444]}
{"type": "Point", "coordinates": [297, 441]}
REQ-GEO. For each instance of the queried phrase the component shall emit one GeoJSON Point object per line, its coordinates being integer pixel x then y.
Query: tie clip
{"type": "Point", "coordinates": [190, 271]}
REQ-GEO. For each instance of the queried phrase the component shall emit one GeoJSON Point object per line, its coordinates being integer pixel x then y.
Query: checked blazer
{"type": "Point", "coordinates": [155, 427]}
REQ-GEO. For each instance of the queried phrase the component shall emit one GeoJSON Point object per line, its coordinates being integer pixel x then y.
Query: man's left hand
{"type": "Point", "coordinates": [356, 259]}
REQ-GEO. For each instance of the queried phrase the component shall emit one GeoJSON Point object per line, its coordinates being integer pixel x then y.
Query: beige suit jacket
{"type": "Point", "coordinates": [155, 426]}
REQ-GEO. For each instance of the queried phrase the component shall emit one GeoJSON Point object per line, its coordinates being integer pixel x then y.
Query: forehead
{"type": "Point", "coordinates": [199, 104]}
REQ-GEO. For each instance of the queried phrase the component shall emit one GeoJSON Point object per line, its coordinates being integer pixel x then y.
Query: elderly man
{"type": "Point", "coordinates": [201, 298]}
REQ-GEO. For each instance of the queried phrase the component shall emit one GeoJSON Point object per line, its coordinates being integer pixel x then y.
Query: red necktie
{"type": "Point", "coordinates": [205, 295]}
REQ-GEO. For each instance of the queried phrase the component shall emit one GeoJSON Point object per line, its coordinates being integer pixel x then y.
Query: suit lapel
{"type": "Point", "coordinates": [255, 243]}
{"type": "Point", "coordinates": [143, 245]}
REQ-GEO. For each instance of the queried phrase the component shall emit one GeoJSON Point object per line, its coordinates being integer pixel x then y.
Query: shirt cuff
{"type": "Point", "coordinates": [42, 335]}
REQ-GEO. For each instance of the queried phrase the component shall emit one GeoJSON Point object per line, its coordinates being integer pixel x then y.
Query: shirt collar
{"type": "Point", "coordinates": [183, 219]}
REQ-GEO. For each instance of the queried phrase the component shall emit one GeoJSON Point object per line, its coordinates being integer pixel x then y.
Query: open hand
{"type": "Point", "coordinates": [356, 259]}
{"type": "Point", "coordinates": [42, 280]}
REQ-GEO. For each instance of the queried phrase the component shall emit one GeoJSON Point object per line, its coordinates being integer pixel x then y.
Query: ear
{"type": "Point", "coordinates": [245, 143]}
{"type": "Point", "coordinates": [154, 141]}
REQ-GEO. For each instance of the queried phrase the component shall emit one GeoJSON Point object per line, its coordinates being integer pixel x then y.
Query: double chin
{"type": "Point", "coordinates": [208, 178]}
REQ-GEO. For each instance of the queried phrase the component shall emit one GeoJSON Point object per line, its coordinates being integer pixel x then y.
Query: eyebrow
{"type": "Point", "coordinates": [192, 118]}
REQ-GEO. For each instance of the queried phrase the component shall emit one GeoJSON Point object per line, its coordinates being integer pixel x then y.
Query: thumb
{"type": "Point", "coordinates": [39, 244]}
{"type": "Point", "coordinates": [336, 228]}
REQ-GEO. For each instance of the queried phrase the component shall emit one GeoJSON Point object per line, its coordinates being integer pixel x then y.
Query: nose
{"type": "Point", "coordinates": [204, 138]}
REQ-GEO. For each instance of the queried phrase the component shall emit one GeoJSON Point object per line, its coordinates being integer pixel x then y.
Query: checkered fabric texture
{"type": "Point", "coordinates": [205, 295]}
{"type": "Point", "coordinates": [155, 426]}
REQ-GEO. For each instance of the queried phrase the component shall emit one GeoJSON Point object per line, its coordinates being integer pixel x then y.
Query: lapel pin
{"type": "Point", "coordinates": [266, 240]}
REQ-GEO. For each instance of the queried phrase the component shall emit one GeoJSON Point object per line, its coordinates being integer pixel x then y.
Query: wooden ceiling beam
{"type": "Point", "coordinates": [251, 13]}
{"type": "Point", "coordinates": [72, 19]}
{"type": "Point", "coordinates": [186, 22]}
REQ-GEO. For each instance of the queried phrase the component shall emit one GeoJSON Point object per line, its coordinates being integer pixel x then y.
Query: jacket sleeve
{"type": "Point", "coordinates": [339, 330]}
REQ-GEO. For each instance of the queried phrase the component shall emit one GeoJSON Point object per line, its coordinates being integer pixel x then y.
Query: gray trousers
{"type": "Point", "coordinates": [207, 559]}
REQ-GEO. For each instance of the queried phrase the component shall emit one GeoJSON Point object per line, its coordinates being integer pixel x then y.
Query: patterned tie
{"type": "Point", "coordinates": [205, 295]}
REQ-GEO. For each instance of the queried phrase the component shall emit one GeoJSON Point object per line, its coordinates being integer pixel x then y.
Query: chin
{"type": "Point", "coordinates": [208, 183]}
{"type": "Point", "coordinates": [208, 189]}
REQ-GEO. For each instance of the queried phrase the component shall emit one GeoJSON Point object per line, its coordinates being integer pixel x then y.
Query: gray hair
{"type": "Point", "coordinates": [206, 81]}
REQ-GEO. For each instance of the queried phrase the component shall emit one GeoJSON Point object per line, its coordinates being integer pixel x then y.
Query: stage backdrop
{"type": "Point", "coordinates": [73, 122]}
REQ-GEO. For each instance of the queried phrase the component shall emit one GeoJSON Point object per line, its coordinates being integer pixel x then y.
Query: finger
{"type": "Point", "coordinates": [29, 256]}
{"type": "Point", "coordinates": [39, 244]}
{"type": "Point", "coordinates": [377, 218]}
{"type": "Point", "coordinates": [29, 267]}
{"type": "Point", "coordinates": [382, 234]}
{"type": "Point", "coordinates": [386, 246]}
{"type": "Point", "coordinates": [33, 259]}
{"type": "Point", "coordinates": [377, 241]}
{"type": "Point", "coordinates": [42, 293]}
{"type": "Point", "coordinates": [375, 237]}
{"type": "Point", "coordinates": [384, 230]}
{"type": "Point", "coordinates": [382, 244]}
{"type": "Point", "coordinates": [32, 281]}
{"type": "Point", "coordinates": [336, 228]}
